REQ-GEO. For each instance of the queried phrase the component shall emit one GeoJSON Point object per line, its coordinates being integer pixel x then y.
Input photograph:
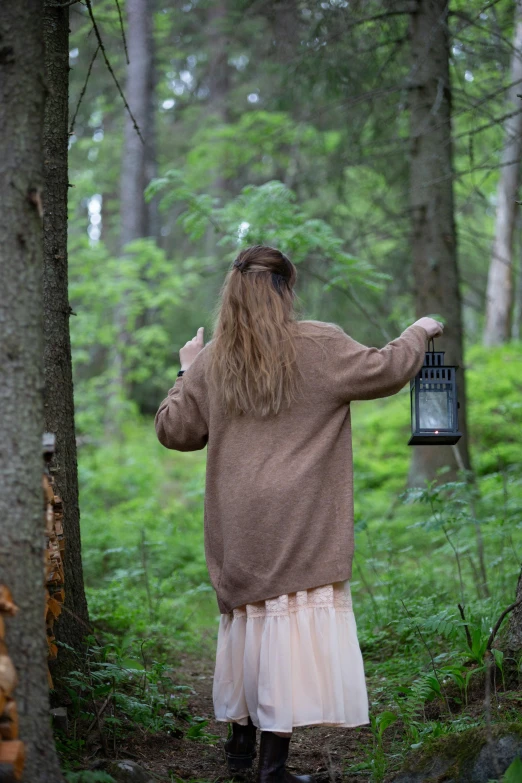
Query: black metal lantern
{"type": "Point", "coordinates": [434, 404]}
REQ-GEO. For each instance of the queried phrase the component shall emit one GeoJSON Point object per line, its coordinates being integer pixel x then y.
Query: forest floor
{"type": "Point", "coordinates": [324, 752]}
{"type": "Point", "coordinates": [331, 754]}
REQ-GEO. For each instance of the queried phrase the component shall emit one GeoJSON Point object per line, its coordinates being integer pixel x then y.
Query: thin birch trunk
{"type": "Point", "coordinates": [499, 294]}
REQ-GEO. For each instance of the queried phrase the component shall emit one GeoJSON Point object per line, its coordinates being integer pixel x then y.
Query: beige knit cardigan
{"type": "Point", "coordinates": [279, 491]}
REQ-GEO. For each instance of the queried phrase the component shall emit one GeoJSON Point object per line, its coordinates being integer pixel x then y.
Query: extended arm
{"type": "Point", "coordinates": [363, 373]}
{"type": "Point", "coordinates": [181, 421]}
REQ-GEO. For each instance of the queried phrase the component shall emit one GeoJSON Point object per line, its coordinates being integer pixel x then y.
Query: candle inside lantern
{"type": "Point", "coordinates": [435, 409]}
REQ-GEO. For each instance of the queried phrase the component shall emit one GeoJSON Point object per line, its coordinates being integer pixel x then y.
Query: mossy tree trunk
{"type": "Point", "coordinates": [22, 98]}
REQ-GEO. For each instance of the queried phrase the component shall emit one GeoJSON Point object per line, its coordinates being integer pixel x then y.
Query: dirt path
{"type": "Point", "coordinates": [324, 752]}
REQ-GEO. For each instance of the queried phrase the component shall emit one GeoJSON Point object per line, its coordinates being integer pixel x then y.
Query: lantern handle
{"type": "Point", "coordinates": [430, 340]}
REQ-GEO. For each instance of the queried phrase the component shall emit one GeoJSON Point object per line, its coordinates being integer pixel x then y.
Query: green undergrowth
{"type": "Point", "coordinates": [418, 555]}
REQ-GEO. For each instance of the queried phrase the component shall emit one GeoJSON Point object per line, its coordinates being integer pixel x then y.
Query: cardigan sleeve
{"type": "Point", "coordinates": [181, 421]}
{"type": "Point", "coordinates": [363, 373]}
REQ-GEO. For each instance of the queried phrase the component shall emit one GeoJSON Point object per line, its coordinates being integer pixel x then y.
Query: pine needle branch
{"type": "Point", "coordinates": [110, 69]}
{"type": "Point", "coordinates": [123, 32]}
{"type": "Point", "coordinates": [82, 93]}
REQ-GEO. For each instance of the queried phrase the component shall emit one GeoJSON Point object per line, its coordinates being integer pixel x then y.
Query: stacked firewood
{"type": "Point", "coordinates": [54, 551]}
{"type": "Point", "coordinates": [12, 753]}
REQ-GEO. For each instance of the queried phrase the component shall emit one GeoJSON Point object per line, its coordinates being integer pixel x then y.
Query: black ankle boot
{"type": "Point", "coordinates": [273, 753]}
{"type": "Point", "coordinates": [240, 749]}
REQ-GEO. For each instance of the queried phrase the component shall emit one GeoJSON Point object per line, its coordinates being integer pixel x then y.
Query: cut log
{"type": "Point", "coordinates": [8, 678]}
{"type": "Point", "coordinates": [48, 490]}
{"type": "Point", "coordinates": [58, 595]}
{"type": "Point", "coordinates": [54, 564]}
{"type": "Point", "coordinates": [9, 721]}
{"type": "Point", "coordinates": [12, 757]}
{"type": "Point", "coordinates": [7, 605]}
{"type": "Point", "coordinates": [54, 609]}
{"type": "Point", "coordinates": [52, 649]}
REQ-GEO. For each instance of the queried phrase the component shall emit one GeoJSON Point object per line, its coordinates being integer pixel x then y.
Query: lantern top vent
{"type": "Point", "coordinates": [434, 359]}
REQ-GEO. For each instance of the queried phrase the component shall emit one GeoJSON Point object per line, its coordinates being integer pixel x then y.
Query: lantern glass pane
{"type": "Point", "coordinates": [436, 410]}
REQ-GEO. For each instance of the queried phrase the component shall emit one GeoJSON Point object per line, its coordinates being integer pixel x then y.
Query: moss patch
{"type": "Point", "coordinates": [455, 752]}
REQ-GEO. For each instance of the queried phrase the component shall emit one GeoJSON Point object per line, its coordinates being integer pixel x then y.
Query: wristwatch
{"type": "Point", "coordinates": [180, 373]}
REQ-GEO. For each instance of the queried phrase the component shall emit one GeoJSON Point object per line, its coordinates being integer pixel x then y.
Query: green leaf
{"type": "Point", "coordinates": [513, 773]}
{"type": "Point", "coordinates": [385, 719]}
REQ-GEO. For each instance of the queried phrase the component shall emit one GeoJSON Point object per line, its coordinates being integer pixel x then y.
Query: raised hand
{"type": "Point", "coordinates": [191, 349]}
{"type": "Point", "coordinates": [433, 328]}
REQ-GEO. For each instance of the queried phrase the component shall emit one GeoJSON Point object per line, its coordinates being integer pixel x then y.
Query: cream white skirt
{"type": "Point", "coordinates": [292, 661]}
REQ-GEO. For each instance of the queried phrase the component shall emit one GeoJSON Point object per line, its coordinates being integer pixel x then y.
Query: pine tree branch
{"type": "Point", "coordinates": [123, 32]}
{"type": "Point", "coordinates": [82, 93]}
{"type": "Point", "coordinates": [350, 293]}
{"type": "Point", "coordinates": [110, 69]}
{"type": "Point", "coordinates": [473, 23]}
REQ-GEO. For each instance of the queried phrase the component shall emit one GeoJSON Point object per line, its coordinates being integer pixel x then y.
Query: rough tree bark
{"type": "Point", "coordinates": [499, 294]}
{"type": "Point", "coordinates": [218, 68]}
{"type": "Point", "coordinates": [434, 240]}
{"type": "Point", "coordinates": [218, 82]}
{"type": "Point", "coordinates": [137, 218]}
{"type": "Point", "coordinates": [22, 96]}
{"type": "Point", "coordinates": [73, 624]}
{"type": "Point", "coordinates": [136, 160]}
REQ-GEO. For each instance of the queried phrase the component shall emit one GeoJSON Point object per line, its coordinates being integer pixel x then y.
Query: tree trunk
{"type": "Point", "coordinates": [219, 86]}
{"type": "Point", "coordinates": [73, 624]}
{"type": "Point", "coordinates": [499, 295]}
{"type": "Point", "coordinates": [516, 326]}
{"type": "Point", "coordinates": [434, 240]}
{"type": "Point", "coordinates": [134, 212]}
{"type": "Point", "coordinates": [136, 216]}
{"type": "Point", "coordinates": [22, 96]}
{"type": "Point", "coordinates": [151, 148]}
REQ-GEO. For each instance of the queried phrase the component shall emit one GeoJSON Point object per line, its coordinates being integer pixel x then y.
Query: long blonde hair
{"type": "Point", "coordinates": [252, 360]}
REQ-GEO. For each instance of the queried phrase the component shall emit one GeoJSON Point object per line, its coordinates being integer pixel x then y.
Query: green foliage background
{"type": "Point", "coordinates": [307, 150]}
